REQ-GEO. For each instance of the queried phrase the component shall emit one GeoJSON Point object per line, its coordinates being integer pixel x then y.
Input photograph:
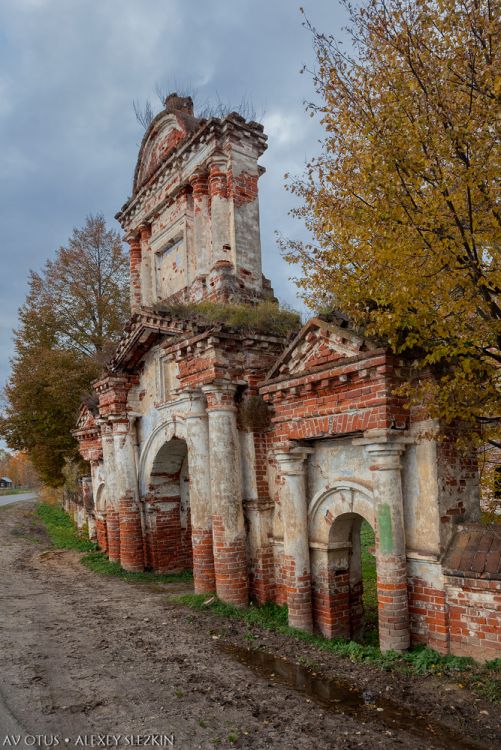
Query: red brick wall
{"type": "Point", "coordinates": [203, 561]}
{"type": "Point", "coordinates": [230, 562]}
{"type": "Point", "coordinates": [173, 542]}
{"type": "Point", "coordinates": [113, 530]}
{"type": "Point", "coordinates": [354, 396]}
{"type": "Point", "coordinates": [102, 536]}
{"type": "Point", "coordinates": [261, 583]}
{"type": "Point", "coordinates": [392, 602]}
{"type": "Point", "coordinates": [474, 617]}
{"type": "Point", "coordinates": [131, 535]}
{"type": "Point", "coordinates": [428, 615]}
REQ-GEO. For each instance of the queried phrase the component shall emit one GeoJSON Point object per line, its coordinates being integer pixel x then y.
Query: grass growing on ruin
{"type": "Point", "coordinates": [266, 317]}
{"type": "Point", "coordinates": [485, 679]}
{"type": "Point", "coordinates": [64, 535]}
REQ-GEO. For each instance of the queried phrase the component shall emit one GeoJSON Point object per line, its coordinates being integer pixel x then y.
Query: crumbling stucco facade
{"type": "Point", "coordinates": [253, 458]}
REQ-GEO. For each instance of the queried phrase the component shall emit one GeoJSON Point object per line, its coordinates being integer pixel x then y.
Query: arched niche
{"type": "Point", "coordinates": [172, 428]}
{"type": "Point", "coordinates": [100, 503]}
{"type": "Point", "coordinates": [343, 497]}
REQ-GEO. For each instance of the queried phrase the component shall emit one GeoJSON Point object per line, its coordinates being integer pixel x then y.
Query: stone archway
{"type": "Point", "coordinates": [167, 509]}
{"type": "Point", "coordinates": [335, 519]}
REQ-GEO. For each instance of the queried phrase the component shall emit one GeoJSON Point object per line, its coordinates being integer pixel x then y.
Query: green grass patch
{"type": "Point", "coordinates": [64, 535]}
{"type": "Point", "coordinates": [483, 678]}
{"type": "Point", "coordinates": [369, 578]}
{"type": "Point", "coordinates": [99, 563]}
{"type": "Point", "coordinates": [61, 530]}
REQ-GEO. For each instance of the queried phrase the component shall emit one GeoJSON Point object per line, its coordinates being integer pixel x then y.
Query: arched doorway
{"type": "Point", "coordinates": [338, 556]}
{"type": "Point", "coordinates": [167, 510]}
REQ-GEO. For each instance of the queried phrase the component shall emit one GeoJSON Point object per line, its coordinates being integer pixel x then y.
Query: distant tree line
{"type": "Point", "coordinates": [74, 313]}
{"type": "Point", "coordinates": [18, 468]}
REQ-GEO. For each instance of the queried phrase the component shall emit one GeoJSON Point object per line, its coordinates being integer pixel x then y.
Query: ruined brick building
{"type": "Point", "coordinates": [251, 457]}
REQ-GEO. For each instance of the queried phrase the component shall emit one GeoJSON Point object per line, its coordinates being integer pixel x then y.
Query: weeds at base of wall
{"type": "Point", "coordinates": [99, 563]}
{"type": "Point", "coordinates": [60, 529]}
{"type": "Point", "coordinates": [484, 679]}
{"type": "Point", "coordinates": [64, 535]}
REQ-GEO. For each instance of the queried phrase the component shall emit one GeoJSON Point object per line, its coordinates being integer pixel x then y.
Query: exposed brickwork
{"type": "Point", "coordinates": [113, 533]}
{"type": "Point", "coordinates": [298, 587]}
{"type": "Point", "coordinates": [243, 188]}
{"type": "Point", "coordinates": [135, 256]}
{"type": "Point", "coordinates": [354, 396]}
{"type": "Point", "coordinates": [428, 614]}
{"type": "Point", "coordinates": [230, 563]}
{"type": "Point", "coordinates": [203, 561]}
{"type": "Point", "coordinates": [392, 604]}
{"type": "Point", "coordinates": [331, 604]}
{"type": "Point", "coordinates": [475, 552]}
{"type": "Point", "coordinates": [101, 533]}
{"type": "Point", "coordinates": [172, 544]}
{"type": "Point", "coordinates": [474, 617]}
{"type": "Point", "coordinates": [131, 535]}
{"type": "Point", "coordinates": [261, 578]}
{"type": "Point", "coordinates": [280, 586]}
{"type": "Point", "coordinates": [218, 182]}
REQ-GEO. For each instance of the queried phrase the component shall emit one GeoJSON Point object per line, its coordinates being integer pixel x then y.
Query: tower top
{"type": "Point", "coordinates": [174, 103]}
{"type": "Point", "coordinates": [193, 218]}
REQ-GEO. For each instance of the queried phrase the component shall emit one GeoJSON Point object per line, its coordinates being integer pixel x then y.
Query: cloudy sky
{"type": "Point", "coordinates": [69, 72]}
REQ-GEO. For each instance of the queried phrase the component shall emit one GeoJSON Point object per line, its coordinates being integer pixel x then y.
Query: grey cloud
{"type": "Point", "coordinates": [69, 71]}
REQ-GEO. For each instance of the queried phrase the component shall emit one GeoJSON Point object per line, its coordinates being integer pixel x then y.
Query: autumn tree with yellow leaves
{"type": "Point", "coordinates": [403, 202]}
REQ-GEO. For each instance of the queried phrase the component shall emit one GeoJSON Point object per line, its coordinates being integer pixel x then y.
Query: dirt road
{"type": "Point", "coordinates": [21, 497]}
{"type": "Point", "coordinates": [101, 662]}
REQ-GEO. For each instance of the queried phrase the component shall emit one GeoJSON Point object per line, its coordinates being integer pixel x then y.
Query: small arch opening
{"type": "Point", "coordinates": [344, 581]}
{"type": "Point", "coordinates": [167, 510]}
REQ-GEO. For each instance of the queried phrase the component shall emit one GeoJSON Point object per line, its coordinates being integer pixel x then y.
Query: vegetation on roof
{"type": "Point", "coordinates": [266, 317]}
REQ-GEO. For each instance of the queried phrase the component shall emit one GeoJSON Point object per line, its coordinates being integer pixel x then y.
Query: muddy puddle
{"type": "Point", "coordinates": [341, 698]}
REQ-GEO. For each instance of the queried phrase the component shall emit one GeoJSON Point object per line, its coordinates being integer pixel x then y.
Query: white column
{"type": "Point", "coordinates": [393, 606]}
{"type": "Point", "coordinates": [219, 212]}
{"type": "Point", "coordinates": [131, 533]}
{"type": "Point", "coordinates": [296, 543]}
{"type": "Point", "coordinates": [197, 439]}
{"type": "Point", "coordinates": [228, 528]}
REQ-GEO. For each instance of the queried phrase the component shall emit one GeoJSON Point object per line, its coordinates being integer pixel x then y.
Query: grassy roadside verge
{"type": "Point", "coordinates": [64, 535]}
{"type": "Point", "coordinates": [484, 679]}
{"type": "Point", "coordinates": [19, 491]}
